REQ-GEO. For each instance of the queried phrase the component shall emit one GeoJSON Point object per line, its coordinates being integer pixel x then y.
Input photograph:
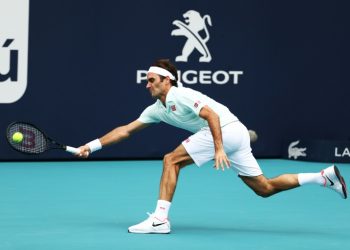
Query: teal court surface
{"type": "Point", "coordinates": [88, 205]}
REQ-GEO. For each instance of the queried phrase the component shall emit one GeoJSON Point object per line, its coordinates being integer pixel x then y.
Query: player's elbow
{"type": "Point", "coordinates": [122, 133]}
{"type": "Point", "coordinates": [208, 114]}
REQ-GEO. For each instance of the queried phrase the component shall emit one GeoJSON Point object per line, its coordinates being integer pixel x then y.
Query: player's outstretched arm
{"type": "Point", "coordinates": [121, 133]}
{"type": "Point", "coordinates": [116, 135]}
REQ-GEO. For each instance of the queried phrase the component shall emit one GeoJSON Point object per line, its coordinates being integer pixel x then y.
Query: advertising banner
{"type": "Point", "coordinates": [77, 69]}
{"type": "Point", "coordinates": [14, 24]}
{"type": "Point", "coordinates": [318, 150]}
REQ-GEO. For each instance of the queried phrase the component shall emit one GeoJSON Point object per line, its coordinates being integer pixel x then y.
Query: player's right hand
{"type": "Point", "coordinates": [84, 151]}
{"type": "Point", "coordinates": [221, 160]}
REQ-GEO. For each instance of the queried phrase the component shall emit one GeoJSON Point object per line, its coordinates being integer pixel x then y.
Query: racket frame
{"type": "Point", "coordinates": [51, 144]}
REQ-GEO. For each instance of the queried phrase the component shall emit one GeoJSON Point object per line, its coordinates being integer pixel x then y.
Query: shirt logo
{"type": "Point", "coordinates": [173, 108]}
{"type": "Point", "coordinates": [196, 104]}
{"type": "Point", "coordinates": [194, 23]}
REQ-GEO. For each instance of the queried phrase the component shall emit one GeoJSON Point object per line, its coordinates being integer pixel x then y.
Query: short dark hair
{"type": "Point", "coordinates": [169, 66]}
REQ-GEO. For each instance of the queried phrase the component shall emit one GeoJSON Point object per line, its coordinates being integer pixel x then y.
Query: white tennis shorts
{"type": "Point", "coordinates": [200, 147]}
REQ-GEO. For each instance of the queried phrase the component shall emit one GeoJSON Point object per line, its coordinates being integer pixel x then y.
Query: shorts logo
{"type": "Point", "coordinates": [195, 24]}
{"type": "Point", "coordinates": [14, 23]}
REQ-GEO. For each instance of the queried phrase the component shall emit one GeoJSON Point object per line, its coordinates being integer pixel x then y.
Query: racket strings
{"type": "Point", "coordinates": [34, 141]}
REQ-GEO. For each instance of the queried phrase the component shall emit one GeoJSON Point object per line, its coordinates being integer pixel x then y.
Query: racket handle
{"type": "Point", "coordinates": [72, 150]}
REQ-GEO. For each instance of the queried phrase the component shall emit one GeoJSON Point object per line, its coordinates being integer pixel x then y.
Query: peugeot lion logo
{"type": "Point", "coordinates": [195, 24]}
{"type": "Point", "coordinates": [194, 28]}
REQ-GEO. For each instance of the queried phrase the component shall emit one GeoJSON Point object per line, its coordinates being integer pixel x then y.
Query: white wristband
{"type": "Point", "coordinates": [94, 145]}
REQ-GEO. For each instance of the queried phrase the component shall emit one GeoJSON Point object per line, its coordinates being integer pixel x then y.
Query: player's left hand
{"type": "Point", "coordinates": [221, 160]}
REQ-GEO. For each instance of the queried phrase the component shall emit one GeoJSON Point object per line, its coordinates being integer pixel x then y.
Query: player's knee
{"type": "Point", "coordinates": [265, 192]}
{"type": "Point", "coordinates": [169, 160]}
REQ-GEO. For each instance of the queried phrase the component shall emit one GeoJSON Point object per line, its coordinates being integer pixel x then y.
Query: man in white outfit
{"type": "Point", "coordinates": [217, 134]}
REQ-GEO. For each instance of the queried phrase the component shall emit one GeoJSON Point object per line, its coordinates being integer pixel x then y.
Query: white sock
{"type": "Point", "coordinates": [162, 209]}
{"type": "Point", "coordinates": [310, 178]}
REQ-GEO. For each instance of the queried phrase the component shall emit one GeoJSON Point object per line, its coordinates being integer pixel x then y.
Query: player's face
{"type": "Point", "coordinates": [155, 86]}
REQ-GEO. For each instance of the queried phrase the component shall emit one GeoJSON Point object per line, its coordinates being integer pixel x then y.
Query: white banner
{"type": "Point", "coordinates": [14, 28]}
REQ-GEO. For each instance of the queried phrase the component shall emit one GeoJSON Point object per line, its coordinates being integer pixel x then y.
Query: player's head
{"type": "Point", "coordinates": [161, 76]}
{"type": "Point", "coordinates": [168, 66]}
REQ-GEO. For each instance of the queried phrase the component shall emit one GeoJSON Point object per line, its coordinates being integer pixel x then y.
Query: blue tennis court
{"type": "Point", "coordinates": [90, 205]}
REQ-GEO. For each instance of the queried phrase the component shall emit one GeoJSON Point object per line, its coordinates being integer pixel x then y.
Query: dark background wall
{"type": "Point", "coordinates": [84, 55]}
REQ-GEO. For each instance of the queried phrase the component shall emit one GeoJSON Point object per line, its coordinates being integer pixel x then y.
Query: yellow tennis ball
{"type": "Point", "coordinates": [17, 137]}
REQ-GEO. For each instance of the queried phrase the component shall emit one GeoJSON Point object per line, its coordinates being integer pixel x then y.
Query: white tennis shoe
{"type": "Point", "coordinates": [333, 180]}
{"type": "Point", "coordinates": [151, 225]}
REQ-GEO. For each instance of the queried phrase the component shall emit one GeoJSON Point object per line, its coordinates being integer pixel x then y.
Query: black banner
{"type": "Point", "coordinates": [317, 150]}
{"type": "Point", "coordinates": [280, 66]}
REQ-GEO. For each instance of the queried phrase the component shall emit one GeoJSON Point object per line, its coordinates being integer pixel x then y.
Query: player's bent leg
{"type": "Point", "coordinates": [329, 178]}
{"type": "Point", "coordinates": [266, 187]}
{"type": "Point", "coordinates": [172, 163]}
{"type": "Point", "coordinates": [158, 222]}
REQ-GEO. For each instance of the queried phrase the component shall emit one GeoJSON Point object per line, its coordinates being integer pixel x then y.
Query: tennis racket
{"type": "Point", "coordinates": [34, 140]}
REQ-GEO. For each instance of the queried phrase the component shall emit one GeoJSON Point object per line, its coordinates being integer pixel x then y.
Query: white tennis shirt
{"type": "Point", "coordinates": [182, 107]}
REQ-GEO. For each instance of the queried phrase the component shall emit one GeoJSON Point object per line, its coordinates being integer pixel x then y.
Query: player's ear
{"type": "Point", "coordinates": [168, 79]}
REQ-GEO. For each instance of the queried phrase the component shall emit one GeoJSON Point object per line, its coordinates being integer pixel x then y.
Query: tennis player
{"type": "Point", "coordinates": [217, 134]}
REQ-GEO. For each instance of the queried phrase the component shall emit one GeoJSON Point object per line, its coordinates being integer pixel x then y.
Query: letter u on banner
{"type": "Point", "coordinates": [14, 28]}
